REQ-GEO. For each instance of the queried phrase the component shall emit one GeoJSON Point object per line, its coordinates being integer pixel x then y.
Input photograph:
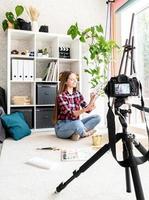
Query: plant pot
{"type": "Point", "coordinates": [10, 25]}
{"type": "Point", "coordinates": [39, 54]}
{"type": "Point", "coordinates": [45, 55]}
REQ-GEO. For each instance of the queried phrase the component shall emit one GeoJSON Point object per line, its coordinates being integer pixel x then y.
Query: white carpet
{"type": "Point", "coordinates": [105, 180]}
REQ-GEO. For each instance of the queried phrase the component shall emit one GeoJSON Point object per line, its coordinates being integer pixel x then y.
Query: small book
{"type": "Point", "coordinates": [76, 154]}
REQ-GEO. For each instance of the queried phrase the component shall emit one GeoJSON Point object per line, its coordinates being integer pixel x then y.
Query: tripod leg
{"type": "Point", "coordinates": [137, 183]}
{"type": "Point", "coordinates": [135, 172]}
{"type": "Point", "coordinates": [127, 170]}
{"type": "Point", "coordinates": [128, 183]}
{"type": "Point", "coordinates": [87, 164]}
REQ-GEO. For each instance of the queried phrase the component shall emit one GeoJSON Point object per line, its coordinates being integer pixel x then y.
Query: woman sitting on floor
{"type": "Point", "coordinates": [68, 111]}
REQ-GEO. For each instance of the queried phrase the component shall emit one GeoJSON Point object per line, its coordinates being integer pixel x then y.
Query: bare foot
{"type": "Point", "coordinates": [88, 133]}
{"type": "Point", "coordinates": [75, 137]}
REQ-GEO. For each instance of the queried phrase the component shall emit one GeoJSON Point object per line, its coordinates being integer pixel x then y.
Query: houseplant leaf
{"type": "Point", "coordinates": [10, 17]}
{"type": "Point", "coordinates": [73, 31]}
{"type": "Point", "coordinates": [82, 38]}
{"type": "Point", "coordinates": [19, 10]}
{"type": "Point", "coordinates": [99, 29]}
{"type": "Point", "coordinates": [5, 24]}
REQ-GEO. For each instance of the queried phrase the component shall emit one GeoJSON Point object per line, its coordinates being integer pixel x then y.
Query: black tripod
{"type": "Point", "coordinates": [130, 163]}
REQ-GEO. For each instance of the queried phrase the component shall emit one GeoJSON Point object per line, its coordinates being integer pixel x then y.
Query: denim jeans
{"type": "Point", "coordinates": [65, 128]}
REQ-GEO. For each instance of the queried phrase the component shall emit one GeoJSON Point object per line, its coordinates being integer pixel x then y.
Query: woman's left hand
{"type": "Point", "coordinates": [92, 98]}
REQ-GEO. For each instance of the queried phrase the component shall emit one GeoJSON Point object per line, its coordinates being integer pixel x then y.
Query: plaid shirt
{"type": "Point", "coordinates": [67, 103]}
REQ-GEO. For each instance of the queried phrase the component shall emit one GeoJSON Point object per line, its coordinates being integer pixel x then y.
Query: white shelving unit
{"type": "Point", "coordinates": [32, 41]}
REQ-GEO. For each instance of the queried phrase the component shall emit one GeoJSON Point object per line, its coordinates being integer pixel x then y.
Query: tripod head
{"type": "Point", "coordinates": [122, 113]}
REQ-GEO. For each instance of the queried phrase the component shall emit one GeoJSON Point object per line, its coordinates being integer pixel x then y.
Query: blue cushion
{"type": "Point", "coordinates": [16, 125]}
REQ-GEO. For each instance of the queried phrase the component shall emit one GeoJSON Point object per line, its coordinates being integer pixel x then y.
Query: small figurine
{"type": "Point", "coordinates": [39, 52]}
{"type": "Point", "coordinates": [26, 52]}
{"type": "Point", "coordinates": [31, 53]}
{"type": "Point", "coordinates": [45, 52]}
{"type": "Point", "coordinates": [15, 52]}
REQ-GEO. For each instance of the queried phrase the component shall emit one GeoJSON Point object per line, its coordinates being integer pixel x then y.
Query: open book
{"type": "Point", "coordinates": [76, 154]}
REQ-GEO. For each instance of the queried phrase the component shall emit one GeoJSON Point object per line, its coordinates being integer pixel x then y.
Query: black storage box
{"type": "Point", "coordinates": [28, 114]}
{"type": "Point", "coordinates": [44, 117]}
{"type": "Point", "coordinates": [46, 93]}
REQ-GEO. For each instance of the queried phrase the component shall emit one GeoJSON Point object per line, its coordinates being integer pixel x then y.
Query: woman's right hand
{"type": "Point", "coordinates": [90, 107]}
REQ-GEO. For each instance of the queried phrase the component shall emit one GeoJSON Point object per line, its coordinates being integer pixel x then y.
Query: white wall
{"type": "Point", "coordinates": [57, 14]}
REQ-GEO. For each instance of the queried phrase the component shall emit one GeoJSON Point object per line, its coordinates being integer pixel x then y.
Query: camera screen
{"type": "Point", "coordinates": [122, 89]}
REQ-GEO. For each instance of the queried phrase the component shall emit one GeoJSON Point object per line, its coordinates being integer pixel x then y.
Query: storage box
{"type": "Point", "coordinates": [44, 117]}
{"type": "Point", "coordinates": [28, 114]}
{"type": "Point", "coordinates": [46, 93]}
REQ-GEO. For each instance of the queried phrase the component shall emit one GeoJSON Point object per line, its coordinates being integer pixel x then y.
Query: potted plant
{"type": "Point", "coordinates": [39, 52]}
{"type": "Point", "coordinates": [45, 52]}
{"type": "Point", "coordinates": [100, 51]}
{"type": "Point", "coordinates": [11, 19]}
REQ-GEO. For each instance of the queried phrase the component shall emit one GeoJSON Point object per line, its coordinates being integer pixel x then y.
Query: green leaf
{"type": "Point", "coordinates": [93, 30]}
{"type": "Point", "coordinates": [19, 10]}
{"type": "Point", "coordinates": [82, 39]}
{"type": "Point", "coordinates": [88, 71]}
{"type": "Point", "coordinates": [86, 59]}
{"type": "Point", "coordinates": [99, 29]}
{"type": "Point", "coordinates": [73, 31]}
{"type": "Point", "coordinates": [86, 31]}
{"type": "Point", "coordinates": [10, 17]}
{"type": "Point", "coordinates": [5, 24]}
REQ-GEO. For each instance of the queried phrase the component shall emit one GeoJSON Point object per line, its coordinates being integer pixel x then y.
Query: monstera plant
{"type": "Point", "coordinates": [11, 18]}
{"type": "Point", "coordinates": [99, 52]}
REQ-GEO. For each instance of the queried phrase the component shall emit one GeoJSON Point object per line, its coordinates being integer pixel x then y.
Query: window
{"type": "Point", "coordinates": [142, 42]}
{"type": "Point", "coordinates": [141, 35]}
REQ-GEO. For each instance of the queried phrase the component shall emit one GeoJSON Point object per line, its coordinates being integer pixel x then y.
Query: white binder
{"type": "Point", "coordinates": [25, 70]}
{"type": "Point", "coordinates": [14, 69]}
{"type": "Point", "coordinates": [31, 70]}
{"type": "Point", "coordinates": [20, 70]}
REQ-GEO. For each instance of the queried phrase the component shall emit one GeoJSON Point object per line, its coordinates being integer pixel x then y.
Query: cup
{"type": "Point", "coordinates": [96, 140]}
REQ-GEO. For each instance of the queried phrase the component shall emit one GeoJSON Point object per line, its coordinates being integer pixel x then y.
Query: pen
{"type": "Point", "coordinates": [48, 148]}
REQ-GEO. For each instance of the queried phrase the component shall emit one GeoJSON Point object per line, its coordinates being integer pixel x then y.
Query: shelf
{"type": "Point", "coordinates": [37, 68]}
{"type": "Point", "coordinates": [46, 58]}
{"type": "Point", "coordinates": [45, 36]}
{"type": "Point", "coordinates": [20, 34]}
{"type": "Point", "coordinates": [68, 60]}
{"type": "Point", "coordinates": [30, 105]}
{"type": "Point", "coordinates": [42, 130]}
{"type": "Point", "coordinates": [44, 105]}
{"type": "Point", "coordinates": [22, 56]}
{"type": "Point", "coordinates": [47, 81]}
{"type": "Point", "coordinates": [21, 81]}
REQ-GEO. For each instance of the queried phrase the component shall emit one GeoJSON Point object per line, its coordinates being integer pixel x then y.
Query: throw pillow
{"type": "Point", "coordinates": [2, 130]}
{"type": "Point", "coordinates": [16, 125]}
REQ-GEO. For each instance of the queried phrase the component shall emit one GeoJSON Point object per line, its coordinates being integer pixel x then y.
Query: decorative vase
{"type": "Point", "coordinates": [35, 27]}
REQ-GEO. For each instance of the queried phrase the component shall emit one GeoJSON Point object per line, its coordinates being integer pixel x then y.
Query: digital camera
{"type": "Point", "coordinates": [122, 86]}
